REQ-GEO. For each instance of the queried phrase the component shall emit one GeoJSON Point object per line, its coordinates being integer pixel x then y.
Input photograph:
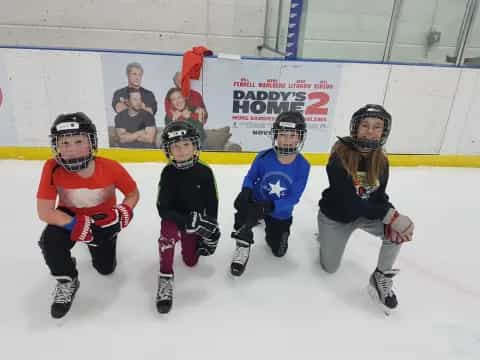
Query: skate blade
{"type": "Point", "coordinates": [373, 294]}
{"type": "Point", "coordinates": [60, 322]}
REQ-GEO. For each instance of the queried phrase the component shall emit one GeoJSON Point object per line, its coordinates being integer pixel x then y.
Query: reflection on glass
{"type": "Point", "coordinates": [472, 50]}
{"type": "Point", "coordinates": [346, 29]}
{"type": "Point", "coordinates": [283, 25]}
{"type": "Point", "coordinates": [271, 23]}
{"type": "Point", "coordinates": [428, 31]}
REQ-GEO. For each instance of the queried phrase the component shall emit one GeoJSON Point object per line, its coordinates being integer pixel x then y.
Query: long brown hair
{"type": "Point", "coordinates": [376, 161]}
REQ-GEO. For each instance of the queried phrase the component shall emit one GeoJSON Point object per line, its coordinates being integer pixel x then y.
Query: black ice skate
{"type": "Point", "coordinates": [63, 296]}
{"type": "Point", "coordinates": [164, 293]}
{"type": "Point", "coordinates": [380, 289]}
{"type": "Point", "coordinates": [240, 258]}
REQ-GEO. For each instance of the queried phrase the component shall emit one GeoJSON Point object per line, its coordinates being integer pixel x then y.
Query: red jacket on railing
{"type": "Point", "coordinates": [192, 66]}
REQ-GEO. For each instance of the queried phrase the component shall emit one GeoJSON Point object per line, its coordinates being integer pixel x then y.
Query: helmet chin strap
{"type": "Point", "coordinates": [76, 164]}
{"type": "Point", "coordinates": [182, 165]}
{"type": "Point", "coordinates": [285, 151]}
{"type": "Point", "coordinates": [360, 145]}
{"type": "Point", "coordinates": [185, 164]}
{"type": "Point", "coordinates": [365, 145]}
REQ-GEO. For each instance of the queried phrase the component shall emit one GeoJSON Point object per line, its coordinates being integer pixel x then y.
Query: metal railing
{"type": "Point", "coordinates": [295, 42]}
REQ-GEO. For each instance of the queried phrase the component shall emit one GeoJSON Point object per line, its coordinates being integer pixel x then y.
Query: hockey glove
{"type": "Point", "coordinates": [118, 216]}
{"type": "Point", "coordinates": [399, 228]}
{"type": "Point", "coordinates": [207, 246]}
{"type": "Point", "coordinates": [244, 199]}
{"type": "Point", "coordinates": [80, 228]}
{"type": "Point", "coordinates": [243, 233]}
{"type": "Point", "coordinates": [202, 225]}
{"type": "Point", "coordinates": [114, 220]}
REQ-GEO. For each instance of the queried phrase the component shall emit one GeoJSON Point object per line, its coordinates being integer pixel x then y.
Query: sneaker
{"type": "Point", "coordinates": [240, 258]}
{"type": "Point", "coordinates": [63, 295]}
{"type": "Point", "coordinates": [164, 293]}
{"type": "Point", "coordinates": [380, 288]}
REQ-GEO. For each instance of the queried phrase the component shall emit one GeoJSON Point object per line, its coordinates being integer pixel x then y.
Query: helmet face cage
{"type": "Point", "coordinates": [174, 134]}
{"type": "Point", "coordinates": [72, 125]}
{"type": "Point", "coordinates": [288, 150]}
{"type": "Point", "coordinates": [78, 163]}
{"type": "Point", "coordinates": [289, 122]}
{"type": "Point", "coordinates": [373, 111]}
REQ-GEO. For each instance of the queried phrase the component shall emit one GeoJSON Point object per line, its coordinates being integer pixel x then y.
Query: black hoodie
{"type": "Point", "coordinates": [347, 199]}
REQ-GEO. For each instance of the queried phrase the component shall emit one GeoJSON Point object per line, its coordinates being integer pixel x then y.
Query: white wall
{"type": "Point", "coordinates": [161, 25]}
{"type": "Point", "coordinates": [435, 109]}
{"type": "Point", "coordinates": [44, 84]}
{"type": "Point", "coordinates": [420, 98]}
{"type": "Point", "coordinates": [340, 29]}
{"type": "Point", "coordinates": [346, 29]}
{"type": "Point", "coordinates": [360, 84]}
{"type": "Point", "coordinates": [463, 132]}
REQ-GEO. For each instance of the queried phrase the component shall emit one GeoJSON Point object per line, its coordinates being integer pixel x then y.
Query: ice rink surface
{"type": "Point", "coordinates": [281, 308]}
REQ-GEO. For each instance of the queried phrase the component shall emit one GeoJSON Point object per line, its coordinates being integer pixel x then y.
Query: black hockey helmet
{"type": "Point", "coordinates": [177, 131]}
{"type": "Point", "coordinates": [374, 111]}
{"type": "Point", "coordinates": [68, 125]}
{"type": "Point", "coordinates": [292, 121]}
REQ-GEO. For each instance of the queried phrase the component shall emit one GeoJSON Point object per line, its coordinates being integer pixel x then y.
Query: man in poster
{"type": "Point", "coordinates": [135, 127]}
{"type": "Point", "coordinates": [134, 76]}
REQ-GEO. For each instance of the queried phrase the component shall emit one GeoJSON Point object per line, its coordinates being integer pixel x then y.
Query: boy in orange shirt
{"type": "Point", "coordinates": [87, 210]}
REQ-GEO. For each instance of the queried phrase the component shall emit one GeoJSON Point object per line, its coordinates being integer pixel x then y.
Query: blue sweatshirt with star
{"type": "Point", "coordinates": [283, 184]}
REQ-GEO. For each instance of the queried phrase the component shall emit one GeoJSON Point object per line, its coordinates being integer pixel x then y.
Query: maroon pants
{"type": "Point", "coordinates": [169, 235]}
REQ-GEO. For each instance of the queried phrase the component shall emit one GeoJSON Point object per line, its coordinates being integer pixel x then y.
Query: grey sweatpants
{"type": "Point", "coordinates": [334, 235]}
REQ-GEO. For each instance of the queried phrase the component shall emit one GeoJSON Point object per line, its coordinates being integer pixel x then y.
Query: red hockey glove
{"type": "Point", "coordinates": [399, 228]}
{"type": "Point", "coordinates": [81, 228]}
{"type": "Point", "coordinates": [116, 219]}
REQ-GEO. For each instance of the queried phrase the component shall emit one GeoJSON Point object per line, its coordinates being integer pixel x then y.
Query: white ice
{"type": "Point", "coordinates": [281, 308]}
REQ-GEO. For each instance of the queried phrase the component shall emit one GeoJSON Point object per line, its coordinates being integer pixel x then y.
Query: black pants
{"type": "Point", "coordinates": [56, 246]}
{"type": "Point", "coordinates": [277, 232]}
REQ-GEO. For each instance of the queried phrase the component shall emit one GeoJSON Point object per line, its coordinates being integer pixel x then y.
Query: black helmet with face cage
{"type": "Point", "coordinates": [292, 121]}
{"type": "Point", "coordinates": [373, 111]}
{"type": "Point", "coordinates": [177, 131]}
{"type": "Point", "coordinates": [69, 125]}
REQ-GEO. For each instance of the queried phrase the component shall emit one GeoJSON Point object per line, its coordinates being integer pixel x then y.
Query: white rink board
{"type": "Point", "coordinates": [434, 108]}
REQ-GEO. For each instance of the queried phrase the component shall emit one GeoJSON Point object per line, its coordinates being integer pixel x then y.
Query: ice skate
{"type": "Point", "coordinates": [380, 289]}
{"type": "Point", "coordinates": [240, 258]}
{"type": "Point", "coordinates": [164, 298]}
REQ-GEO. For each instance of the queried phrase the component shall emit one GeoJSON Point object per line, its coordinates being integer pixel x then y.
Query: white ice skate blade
{"type": "Point", "coordinates": [61, 321]}
{"type": "Point", "coordinates": [373, 294]}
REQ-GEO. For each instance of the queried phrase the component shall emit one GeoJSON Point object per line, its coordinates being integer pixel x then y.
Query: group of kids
{"type": "Point", "coordinates": [76, 199]}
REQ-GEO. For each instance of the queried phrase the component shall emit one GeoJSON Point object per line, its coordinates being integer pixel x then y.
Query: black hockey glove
{"type": "Point", "coordinates": [103, 228]}
{"type": "Point", "coordinates": [243, 233]}
{"type": "Point", "coordinates": [202, 225]}
{"type": "Point", "coordinates": [244, 199]}
{"type": "Point", "coordinates": [258, 210]}
{"type": "Point", "coordinates": [207, 246]}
